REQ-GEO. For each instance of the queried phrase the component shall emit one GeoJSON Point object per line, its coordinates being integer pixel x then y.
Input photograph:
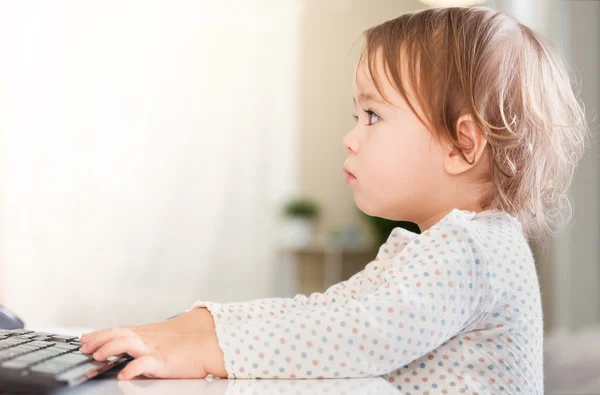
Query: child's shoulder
{"type": "Point", "coordinates": [484, 224]}
{"type": "Point", "coordinates": [485, 229]}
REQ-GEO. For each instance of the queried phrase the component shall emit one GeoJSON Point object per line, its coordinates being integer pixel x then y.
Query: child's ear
{"type": "Point", "coordinates": [473, 145]}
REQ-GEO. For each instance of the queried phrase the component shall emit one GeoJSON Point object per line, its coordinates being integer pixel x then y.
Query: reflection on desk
{"type": "Point", "coordinates": [110, 386]}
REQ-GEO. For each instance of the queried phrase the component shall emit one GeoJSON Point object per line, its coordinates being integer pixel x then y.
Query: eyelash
{"type": "Point", "coordinates": [369, 113]}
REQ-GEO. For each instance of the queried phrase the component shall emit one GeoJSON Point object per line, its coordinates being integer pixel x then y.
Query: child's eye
{"type": "Point", "coordinates": [373, 118]}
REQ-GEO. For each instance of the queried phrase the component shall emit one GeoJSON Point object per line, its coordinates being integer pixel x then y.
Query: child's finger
{"type": "Point", "coordinates": [131, 345]}
{"type": "Point", "coordinates": [94, 340]}
{"type": "Point", "coordinates": [147, 365]}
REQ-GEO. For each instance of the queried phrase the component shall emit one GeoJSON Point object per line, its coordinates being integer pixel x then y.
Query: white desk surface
{"type": "Point", "coordinates": [108, 384]}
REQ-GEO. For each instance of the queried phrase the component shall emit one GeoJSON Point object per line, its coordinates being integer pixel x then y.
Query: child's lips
{"type": "Point", "coordinates": [349, 176]}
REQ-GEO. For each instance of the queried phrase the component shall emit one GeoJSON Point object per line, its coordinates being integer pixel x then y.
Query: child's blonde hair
{"type": "Point", "coordinates": [481, 62]}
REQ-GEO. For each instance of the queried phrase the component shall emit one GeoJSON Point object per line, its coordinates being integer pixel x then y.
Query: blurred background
{"type": "Point", "coordinates": [154, 153]}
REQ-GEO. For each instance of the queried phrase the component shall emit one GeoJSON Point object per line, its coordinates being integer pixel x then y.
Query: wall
{"type": "Point", "coordinates": [137, 163]}
{"type": "Point", "coordinates": [577, 249]}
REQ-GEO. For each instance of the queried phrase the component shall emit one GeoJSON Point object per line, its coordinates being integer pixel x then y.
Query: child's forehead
{"type": "Point", "coordinates": [364, 85]}
{"type": "Point", "coordinates": [373, 84]}
{"type": "Point", "coordinates": [365, 96]}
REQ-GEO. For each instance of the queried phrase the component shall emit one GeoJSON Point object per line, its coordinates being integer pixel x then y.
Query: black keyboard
{"type": "Point", "coordinates": [37, 361]}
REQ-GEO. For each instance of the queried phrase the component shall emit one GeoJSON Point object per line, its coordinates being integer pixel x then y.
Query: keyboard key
{"type": "Point", "coordinates": [60, 363]}
{"type": "Point", "coordinates": [64, 339]}
{"type": "Point", "coordinates": [25, 337]}
{"type": "Point", "coordinates": [67, 347]}
{"type": "Point", "coordinates": [45, 334]}
{"type": "Point", "coordinates": [30, 359]}
{"type": "Point", "coordinates": [14, 352]}
{"type": "Point", "coordinates": [17, 332]}
{"type": "Point", "coordinates": [89, 356]}
{"type": "Point", "coordinates": [82, 372]}
{"type": "Point", "coordinates": [4, 344]}
{"type": "Point", "coordinates": [47, 368]}
{"type": "Point", "coordinates": [41, 343]}
{"type": "Point", "coordinates": [70, 359]}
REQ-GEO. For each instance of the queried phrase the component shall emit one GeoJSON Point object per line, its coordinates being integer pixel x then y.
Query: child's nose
{"type": "Point", "coordinates": [350, 142]}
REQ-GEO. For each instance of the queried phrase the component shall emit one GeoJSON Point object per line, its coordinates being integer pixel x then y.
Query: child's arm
{"type": "Point", "coordinates": [416, 305]}
{"type": "Point", "coordinates": [197, 326]}
{"type": "Point", "coordinates": [405, 308]}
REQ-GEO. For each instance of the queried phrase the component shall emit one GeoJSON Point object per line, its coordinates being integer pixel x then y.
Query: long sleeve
{"type": "Point", "coordinates": [405, 304]}
{"type": "Point", "coordinates": [260, 309]}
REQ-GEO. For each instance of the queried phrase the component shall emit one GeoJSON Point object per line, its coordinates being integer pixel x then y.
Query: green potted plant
{"type": "Point", "coordinates": [381, 228]}
{"type": "Point", "coordinates": [299, 215]}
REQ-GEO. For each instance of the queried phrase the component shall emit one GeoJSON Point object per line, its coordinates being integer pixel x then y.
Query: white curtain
{"type": "Point", "coordinates": [146, 147]}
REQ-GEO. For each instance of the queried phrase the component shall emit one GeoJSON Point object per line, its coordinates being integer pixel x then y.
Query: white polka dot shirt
{"type": "Point", "coordinates": [453, 310]}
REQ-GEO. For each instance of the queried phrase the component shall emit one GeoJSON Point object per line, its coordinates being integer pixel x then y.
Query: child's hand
{"type": "Point", "coordinates": [182, 347]}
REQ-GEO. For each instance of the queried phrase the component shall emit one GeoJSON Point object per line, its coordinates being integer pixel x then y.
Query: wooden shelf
{"type": "Point", "coordinates": [332, 260]}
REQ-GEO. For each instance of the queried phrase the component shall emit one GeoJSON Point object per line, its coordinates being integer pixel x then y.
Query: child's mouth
{"type": "Point", "coordinates": [349, 177]}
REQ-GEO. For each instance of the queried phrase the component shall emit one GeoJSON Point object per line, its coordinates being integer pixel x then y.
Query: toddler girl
{"type": "Point", "coordinates": [466, 125]}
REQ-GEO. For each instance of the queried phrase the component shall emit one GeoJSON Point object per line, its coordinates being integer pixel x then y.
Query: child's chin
{"type": "Point", "coordinates": [368, 209]}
